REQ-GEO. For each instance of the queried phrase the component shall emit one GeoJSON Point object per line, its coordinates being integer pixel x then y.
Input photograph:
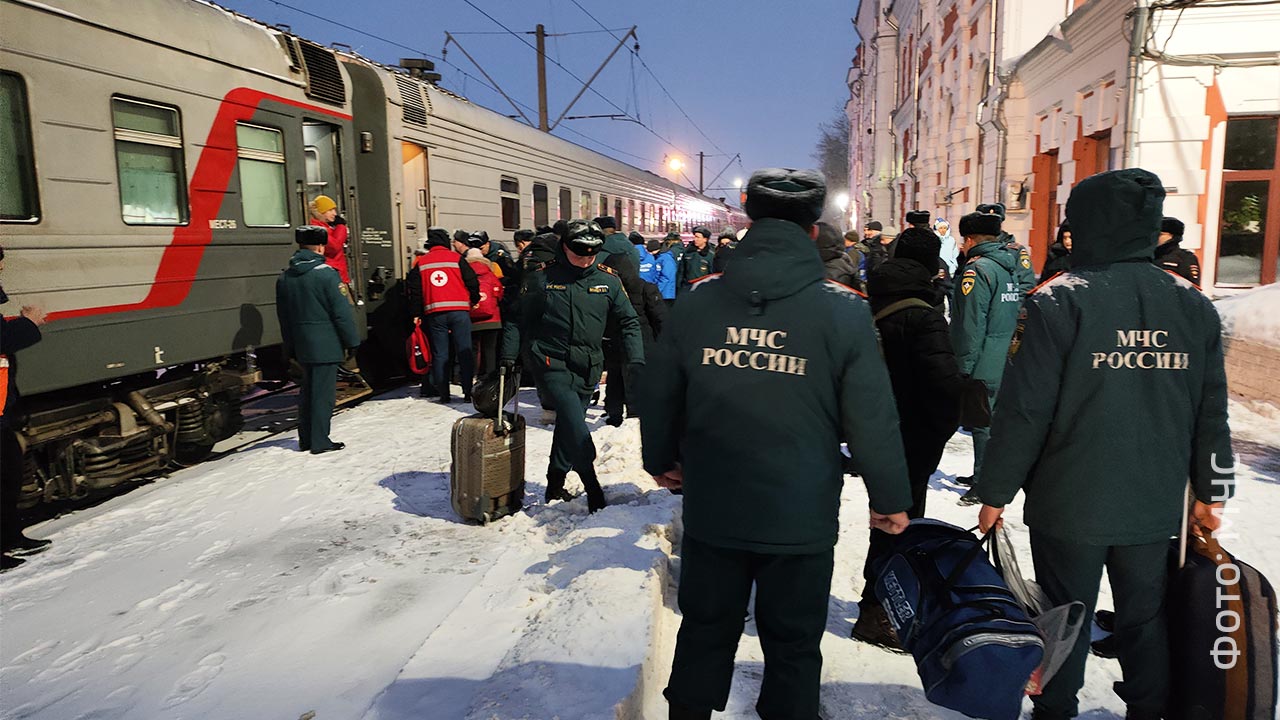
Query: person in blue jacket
{"type": "Point", "coordinates": [665, 269]}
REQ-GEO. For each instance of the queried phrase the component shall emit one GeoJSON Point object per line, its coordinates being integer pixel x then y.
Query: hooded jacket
{"type": "Point", "coordinates": [617, 243]}
{"type": "Point", "coordinates": [317, 322]}
{"type": "Point", "coordinates": [1059, 260]}
{"type": "Point", "coordinates": [645, 300]}
{"type": "Point", "coordinates": [1023, 273]}
{"type": "Point", "coordinates": [793, 359]}
{"type": "Point", "coordinates": [839, 266]}
{"type": "Point", "coordinates": [984, 311]}
{"type": "Point", "coordinates": [665, 274]}
{"type": "Point", "coordinates": [1115, 391]}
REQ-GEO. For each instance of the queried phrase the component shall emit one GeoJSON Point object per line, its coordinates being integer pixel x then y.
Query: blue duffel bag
{"type": "Point", "coordinates": [973, 644]}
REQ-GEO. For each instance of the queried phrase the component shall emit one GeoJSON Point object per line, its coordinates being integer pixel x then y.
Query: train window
{"type": "Point", "coordinates": [617, 212]}
{"type": "Point", "coordinates": [510, 188]}
{"type": "Point", "coordinates": [264, 196]}
{"type": "Point", "coordinates": [604, 204]}
{"type": "Point", "coordinates": [153, 187]}
{"type": "Point", "coordinates": [18, 199]}
{"type": "Point", "coordinates": [631, 215]}
{"type": "Point", "coordinates": [584, 204]}
{"type": "Point", "coordinates": [540, 210]}
{"type": "Point", "coordinates": [662, 220]}
{"type": "Point", "coordinates": [566, 203]}
{"type": "Point", "coordinates": [644, 217]}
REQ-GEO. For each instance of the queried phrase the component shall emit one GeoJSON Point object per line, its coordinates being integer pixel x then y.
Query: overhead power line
{"type": "Point", "coordinates": [654, 75]}
{"type": "Point", "coordinates": [460, 70]}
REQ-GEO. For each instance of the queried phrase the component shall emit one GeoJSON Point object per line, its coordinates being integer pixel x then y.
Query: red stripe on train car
{"type": "Point", "coordinates": [181, 259]}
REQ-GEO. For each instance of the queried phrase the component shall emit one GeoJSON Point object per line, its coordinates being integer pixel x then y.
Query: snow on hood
{"type": "Point", "coordinates": [1252, 315]}
{"type": "Point", "coordinates": [1115, 216]}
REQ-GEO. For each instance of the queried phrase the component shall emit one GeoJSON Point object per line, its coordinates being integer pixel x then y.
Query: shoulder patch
{"type": "Point", "coordinates": [966, 283]}
{"type": "Point", "coordinates": [605, 268]}
{"type": "Point", "coordinates": [342, 288]}
{"type": "Point", "coordinates": [970, 272]}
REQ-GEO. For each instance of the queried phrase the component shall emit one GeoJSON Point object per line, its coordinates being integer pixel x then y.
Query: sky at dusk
{"type": "Point", "coordinates": [757, 76]}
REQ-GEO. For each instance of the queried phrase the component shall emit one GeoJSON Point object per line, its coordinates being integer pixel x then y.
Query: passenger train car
{"type": "Point", "coordinates": [152, 165]}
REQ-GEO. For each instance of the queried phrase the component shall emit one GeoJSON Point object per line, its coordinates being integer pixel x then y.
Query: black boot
{"type": "Point", "coordinates": [555, 487]}
{"type": "Point", "coordinates": [595, 494]}
{"type": "Point", "coordinates": [1106, 620]}
{"type": "Point", "coordinates": [1107, 647]}
{"type": "Point", "coordinates": [873, 627]}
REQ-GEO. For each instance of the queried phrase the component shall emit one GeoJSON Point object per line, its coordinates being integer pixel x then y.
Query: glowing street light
{"type": "Point", "coordinates": [675, 164]}
{"type": "Point", "coordinates": [842, 201]}
{"type": "Point", "coordinates": [737, 182]}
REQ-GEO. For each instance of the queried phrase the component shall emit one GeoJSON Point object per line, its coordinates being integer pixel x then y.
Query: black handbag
{"type": "Point", "coordinates": [484, 394]}
{"type": "Point", "coordinates": [975, 404]}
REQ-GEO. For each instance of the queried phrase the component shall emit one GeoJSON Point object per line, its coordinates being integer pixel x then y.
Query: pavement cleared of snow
{"type": "Point", "coordinates": [274, 584]}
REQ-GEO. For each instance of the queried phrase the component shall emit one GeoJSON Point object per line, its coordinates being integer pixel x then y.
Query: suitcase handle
{"type": "Point", "coordinates": [500, 422]}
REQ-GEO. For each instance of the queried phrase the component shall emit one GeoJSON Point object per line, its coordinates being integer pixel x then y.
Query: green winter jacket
{"type": "Point", "coordinates": [1023, 274]}
{"type": "Point", "coordinates": [693, 265]}
{"type": "Point", "coordinates": [985, 311]}
{"type": "Point", "coordinates": [560, 319]}
{"type": "Point", "coordinates": [752, 388]}
{"type": "Point", "coordinates": [317, 321]}
{"type": "Point", "coordinates": [618, 244]}
{"type": "Point", "coordinates": [1115, 392]}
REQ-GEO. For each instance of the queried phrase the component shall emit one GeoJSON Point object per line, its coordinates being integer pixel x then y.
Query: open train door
{"type": "Point", "coordinates": [415, 199]}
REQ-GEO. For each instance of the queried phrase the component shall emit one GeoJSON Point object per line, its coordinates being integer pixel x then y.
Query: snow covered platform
{"type": "Point", "coordinates": [277, 584]}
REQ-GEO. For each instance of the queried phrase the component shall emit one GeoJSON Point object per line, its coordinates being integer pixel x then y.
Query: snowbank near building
{"type": "Point", "coordinates": [1251, 331]}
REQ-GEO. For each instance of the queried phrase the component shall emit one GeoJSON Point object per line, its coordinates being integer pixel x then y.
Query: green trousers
{"type": "Point", "coordinates": [1069, 571]}
{"type": "Point", "coordinates": [571, 444]}
{"type": "Point", "coordinates": [790, 614]}
{"type": "Point", "coordinates": [316, 398]}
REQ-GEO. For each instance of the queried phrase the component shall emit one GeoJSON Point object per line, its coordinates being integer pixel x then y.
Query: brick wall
{"type": "Point", "coordinates": [1253, 370]}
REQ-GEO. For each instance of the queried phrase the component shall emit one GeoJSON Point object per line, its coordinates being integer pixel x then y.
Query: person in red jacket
{"type": "Point", "coordinates": [442, 288]}
{"type": "Point", "coordinates": [324, 213]}
{"type": "Point", "coordinates": [486, 315]}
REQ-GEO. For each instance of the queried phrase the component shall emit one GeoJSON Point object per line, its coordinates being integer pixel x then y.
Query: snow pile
{"type": "Point", "coordinates": [276, 584]}
{"type": "Point", "coordinates": [1252, 315]}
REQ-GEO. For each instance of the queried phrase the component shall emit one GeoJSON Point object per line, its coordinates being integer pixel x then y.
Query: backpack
{"type": "Point", "coordinates": [974, 646]}
{"type": "Point", "coordinates": [490, 294]}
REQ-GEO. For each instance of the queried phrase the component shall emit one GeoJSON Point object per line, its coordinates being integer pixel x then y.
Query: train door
{"type": "Point", "coordinates": [322, 148]}
{"type": "Point", "coordinates": [415, 200]}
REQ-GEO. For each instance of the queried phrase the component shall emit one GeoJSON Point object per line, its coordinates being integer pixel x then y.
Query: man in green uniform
{"type": "Point", "coordinates": [615, 243]}
{"type": "Point", "coordinates": [695, 261]}
{"type": "Point", "coordinates": [558, 331]}
{"type": "Point", "coordinates": [983, 316]}
{"type": "Point", "coordinates": [793, 359]}
{"type": "Point", "coordinates": [1023, 273]}
{"type": "Point", "coordinates": [319, 330]}
{"type": "Point", "coordinates": [1112, 342]}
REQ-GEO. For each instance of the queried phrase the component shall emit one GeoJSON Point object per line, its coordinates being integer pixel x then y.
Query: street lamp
{"type": "Point", "coordinates": [842, 201]}
{"type": "Point", "coordinates": [737, 182]}
{"type": "Point", "coordinates": [675, 164]}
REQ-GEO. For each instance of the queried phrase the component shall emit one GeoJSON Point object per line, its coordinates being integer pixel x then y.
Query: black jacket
{"type": "Point", "coordinates": [878, 252]}
{"type": "Point", "coordinates": [723, 253]}
{"type": "Point", "coordinates": [645, 298]}
{"type": "Point", "coordinates": [1115, 391]}
{"type": "Point", "coordinates": [1173, 258]}
{"type": "Point", "coordinates": [1059, 260]}
{"type": "Point", "coordinates": [840, 266]}
{"type": "Point", "coordinates": [922, 364]}
{"type": "Point", "coordinates": [792, 360]}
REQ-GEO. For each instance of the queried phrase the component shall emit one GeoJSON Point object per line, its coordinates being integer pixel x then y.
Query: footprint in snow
{"type": "Point", "coordinates": [196, 681]}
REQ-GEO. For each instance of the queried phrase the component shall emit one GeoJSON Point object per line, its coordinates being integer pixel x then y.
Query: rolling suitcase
{"type": "Point", "coordinates": [486, 479]}
{"type": "Point", "coordinates": [1222, 635]}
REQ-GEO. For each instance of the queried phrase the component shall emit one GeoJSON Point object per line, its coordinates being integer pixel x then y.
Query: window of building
{"type": "Point", "coordinates": [540, 210]}
{"type": "Point", "coordinates": [584, 204]}
{"type": "Point", "coordinates": [566, 203]}
{"type": "Point", "coordinates": [1249, 235]}
{"type": "Point", "coordinates": [264, 198]}
{"type": "Point", "coordinates": [631, 216]}
{"type": "Point", "coordinates": [153, 181]}
{"type": "Point", "coordinates": [510, 189]}
{"type": "Point", "coordinates": [644, 217]}
{"type": "Point", "coordinates": [604, 205]}
{"type": "Point", "coordinates": [617, 212]}
{"type": "Point", "coordinates": [18, 197]}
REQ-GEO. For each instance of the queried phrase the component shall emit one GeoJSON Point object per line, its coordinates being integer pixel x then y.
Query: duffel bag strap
{"type": "Point", "coordinates": [949, 583]}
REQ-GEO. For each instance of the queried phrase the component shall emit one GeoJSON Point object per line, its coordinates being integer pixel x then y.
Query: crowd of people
{"type": "Point", "coordinates": [769, 364]}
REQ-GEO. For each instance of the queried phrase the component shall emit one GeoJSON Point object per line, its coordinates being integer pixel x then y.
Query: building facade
{"type": "Point", "coordinates": [989, 105]}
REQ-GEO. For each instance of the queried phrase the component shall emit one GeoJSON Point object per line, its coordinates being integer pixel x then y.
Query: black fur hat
{"type": "Point", "coordinates": [526, 235]}
{"type": "Point", "coordinates": [1173, 226]}
{"type": "Point", "coordinates": [606, 222]}
{"type": "Point", "coordinates": [437, 237]}
{"type": "Point", "coordinates": [980, 224]}
{"type": "Point", "coordinates": [478, 239]}
{"type": "Point", "coordinates": [636, 238]}
{"type": "Point", "coordinates": [918, 217]}
{"type": "Point", "coordinates": [702, 230]}
{"type": "Point", "coordinates": [786, 194]}
{"type": "Point", "coordinates": [310, 235]}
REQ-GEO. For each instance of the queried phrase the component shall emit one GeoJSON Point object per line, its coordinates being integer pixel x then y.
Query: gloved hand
{"type": "Point", "coordinates": [339, 220]}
